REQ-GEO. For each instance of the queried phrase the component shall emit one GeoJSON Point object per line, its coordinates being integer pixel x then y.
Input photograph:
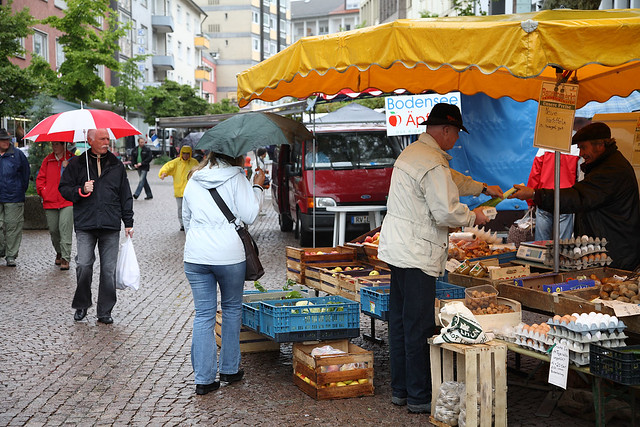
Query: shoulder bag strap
{"type": "Point", "coordinates": [223, 206]}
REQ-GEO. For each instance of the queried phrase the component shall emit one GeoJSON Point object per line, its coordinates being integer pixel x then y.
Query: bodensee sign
{"type": "Point", "coordinates": [405, 113]}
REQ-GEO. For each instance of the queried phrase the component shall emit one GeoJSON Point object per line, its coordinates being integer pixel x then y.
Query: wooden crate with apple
{"type": "Point", "coordinates": [483, 369]}
{"type": "Point", "coordinates": [340, 279]}
{"type": "Point", "coordinates": [250, 342]}
{"type": "Point", "coordinates": [325, 277]}
{"type": "Point", "coordinates": [333, 376]}
{"type": "Point", "coordinates": [349, 284]}
{"type": "Point", "coordinates": [298, 259]}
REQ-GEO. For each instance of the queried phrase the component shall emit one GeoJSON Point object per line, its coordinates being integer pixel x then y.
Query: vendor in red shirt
{"type": "Point", "coordinates": [542, 176]}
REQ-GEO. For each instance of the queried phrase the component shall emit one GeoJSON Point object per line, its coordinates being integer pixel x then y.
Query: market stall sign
{"type": "Point", "coordinates": [556, 110]}
{"type": "Point", "coordinates": [559, 366]}
{"type": "Point", "coordinates": [405, 113]}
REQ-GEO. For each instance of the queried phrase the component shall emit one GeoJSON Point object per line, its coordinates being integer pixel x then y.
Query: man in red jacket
{"type": "Point", "coordinates": [58, 210]}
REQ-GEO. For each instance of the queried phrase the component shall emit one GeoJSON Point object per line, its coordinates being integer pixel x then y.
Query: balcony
{"type": "Point", "coordinates": [163, 62]}
{"type": "Point", "coordinates": [201, 42]}
{"type": "Point", "coordinates": [162, 23]}
{"type": "Point", "coordinates": [203, 74]}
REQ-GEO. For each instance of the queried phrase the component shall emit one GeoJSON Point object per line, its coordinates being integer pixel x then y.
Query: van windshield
{"type": "Point", "coordinates": [353, 150]}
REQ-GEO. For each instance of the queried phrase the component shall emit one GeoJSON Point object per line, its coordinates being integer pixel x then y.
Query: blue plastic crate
{"type": "Point", "coordinates": [374, 301]}
{"type": "Point", "coordinates": [446, 290]}
{"type": "Point", "coordinates": [251, 315]}
{"type": "Point", "coordinates": [331, 317]}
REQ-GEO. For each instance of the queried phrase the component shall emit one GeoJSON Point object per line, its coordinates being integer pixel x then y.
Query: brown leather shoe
{"type": "Point", "coordinates": [64, 264]}
{"type": "Point", "coordinates": [58, 259]}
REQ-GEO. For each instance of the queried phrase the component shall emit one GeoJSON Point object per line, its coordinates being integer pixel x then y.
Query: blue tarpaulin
{"type": "Point", "coordinates": [499, 147]}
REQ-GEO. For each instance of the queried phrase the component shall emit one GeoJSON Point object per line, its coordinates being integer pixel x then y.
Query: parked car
{"type": "Point", "coordinates": [352, 166]}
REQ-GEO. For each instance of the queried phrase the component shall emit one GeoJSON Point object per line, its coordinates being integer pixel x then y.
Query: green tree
{"type": "Point", "coordinates": [172, 99]}
{"type": "Point", "coordinates": [223, 107]}
{"type": "Point", "coordinates": [127, 94]}
{"type": "Point", "coordinates": [86, 48]}
{"type": "Point", "coordinates": [17, 86]}
{"type": "Point", "coordinates": [571, 4]}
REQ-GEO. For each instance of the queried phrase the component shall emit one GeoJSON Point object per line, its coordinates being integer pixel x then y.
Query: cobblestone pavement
{"type": "Point", "coordinates": [137, 371]}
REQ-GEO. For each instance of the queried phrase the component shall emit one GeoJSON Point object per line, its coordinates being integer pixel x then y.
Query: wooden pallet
{"type": "Point", "coordinates": [483, 368]}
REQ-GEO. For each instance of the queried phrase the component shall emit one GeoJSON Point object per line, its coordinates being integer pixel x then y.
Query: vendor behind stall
{"type": "Point", "coordinates": [606, 202]}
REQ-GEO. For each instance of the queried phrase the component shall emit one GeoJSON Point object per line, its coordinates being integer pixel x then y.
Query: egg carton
{"type": "Point", "coordinates": [586, 337]}
{"type": "Point", "coordinates": [581, 241]}
{"type": "Point", "coordinates": [580, 359]}
{"type": "Point", "coordinates": [575, 346]}
{"type": "Point", "coordinates": [532, 344]}
{"type": "Point", "coordinates": [602, 324]}
{"type": "Point", "coordinates": [579, 251]}
{"type": "Point", "coordinates": [542, 338]}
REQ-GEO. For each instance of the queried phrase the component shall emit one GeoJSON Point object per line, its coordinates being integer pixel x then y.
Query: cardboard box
{"type": "Point", "coordinates": [509, 272]}
{"type": "Point", "coordinates": [310, 373]}
{"type": "Point", "coordinates": [490, 322]}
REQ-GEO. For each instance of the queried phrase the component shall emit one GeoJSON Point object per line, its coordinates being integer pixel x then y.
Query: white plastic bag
{"type": "Point", "coordinates": [127, 271]}
{"type": "Point", "coordinates": [460, 325]}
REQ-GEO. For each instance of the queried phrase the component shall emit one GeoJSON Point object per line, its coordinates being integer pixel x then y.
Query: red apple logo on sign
{"type": "Point", "coordinates": [394, 120]}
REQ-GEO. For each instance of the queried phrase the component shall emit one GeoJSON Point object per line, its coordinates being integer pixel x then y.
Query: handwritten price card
{"type": "Point", "coordinates": [559, 366]}
{"type": "Point", "coordinates": [556, 110]}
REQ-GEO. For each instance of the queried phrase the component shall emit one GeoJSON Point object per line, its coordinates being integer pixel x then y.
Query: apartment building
{"type": "Point", "coordinates": [318, 17]}
{"type": "Point", "coordinates": [243, 33]}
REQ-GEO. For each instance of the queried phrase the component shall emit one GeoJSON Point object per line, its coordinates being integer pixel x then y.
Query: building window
{"type": "Point", "coordinates": [188, 21]}
{"type": "Point", "coordinates": [169, 45]}
{"type": "Point", "coordinates": [21, 43]}
{"type": "Point", "coordinates": [274, 48]}
{"type": "Point", "coordinates": [323, 27]}
{"type": "Point", "coordinates": [189, 55]}
{"type": "Point", "coordinates": [179, 53]}
{"type": "Point", "coordinates": [255, 17]}
{"type": "Point", "coordinates": [178, 13]}
{"type": "Point", "coordinates": [40, 44]}
{"type": "Point", "coordinates": [256, 44]}
{"type": "Point", "coordinates": [214, 28]}
{"type": "Point", "coordinates": [59, 54]}
{"type": "Point", "coordinates": [214, 2]}
{"type": "Point", "coordinates": [265, 47]}
{"type": "Point", "coordinates": [272, 22]}
{"type": "Point", "coordinates": [265, 20]}
{"type": "Point", "coordinates": [143, 31]}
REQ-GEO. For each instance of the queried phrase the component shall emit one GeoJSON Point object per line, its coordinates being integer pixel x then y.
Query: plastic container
{"type": "Point", "coordinates": [621, 364]}
{"type": "Point", "coordinates": [374, 301]}
{"type": "Point", "coordinates": [331, 317]}
{"type": "Point", "coordinates": [446, 290]}
{"type": "Point", "coordinates": [251, 315]}
{"type": "Point", "coordinates": [480, 296]}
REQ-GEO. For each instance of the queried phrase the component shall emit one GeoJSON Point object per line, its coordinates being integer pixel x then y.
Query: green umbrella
{"type": "Point", "coordinates": [245, 132]}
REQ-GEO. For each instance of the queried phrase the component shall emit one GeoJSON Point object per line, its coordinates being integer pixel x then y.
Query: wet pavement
{"type": "Point", "coordinates": [137, 371]}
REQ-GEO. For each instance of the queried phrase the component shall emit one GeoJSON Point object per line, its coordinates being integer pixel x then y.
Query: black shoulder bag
{"type": "Point", "coordinates": [254, 267]}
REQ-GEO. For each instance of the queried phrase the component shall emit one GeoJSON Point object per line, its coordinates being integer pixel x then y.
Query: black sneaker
{"type": "Point", "coordinates": [202, 389]}
{"type": "Point", "coordinates": [232, 378]}
{"type": "Point", "coordinates": [148, 198]}
{"type": "Point", "coordinates": [135, 196]}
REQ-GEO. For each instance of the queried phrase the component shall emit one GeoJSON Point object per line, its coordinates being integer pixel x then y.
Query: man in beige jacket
{"type": "Point", "coordinates": [424, 201]}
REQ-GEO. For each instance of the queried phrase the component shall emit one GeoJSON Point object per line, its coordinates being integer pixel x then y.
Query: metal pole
{"type": "Point", "coordinates": [556, 213]}
{"type": "Point", "coordinates": [313, 219]}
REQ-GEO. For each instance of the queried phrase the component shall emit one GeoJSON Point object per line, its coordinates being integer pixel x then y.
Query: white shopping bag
{"type": "Point", "coordinates": [127, 271]}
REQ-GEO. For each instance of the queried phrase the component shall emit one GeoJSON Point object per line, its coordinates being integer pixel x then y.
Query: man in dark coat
{"type": "Point", "coordinates": [140, 159]}
{"type": "Point", "coordinates": [101, 199]}
{"type": "Point", "coordinates": [606, 201]}
{"type": "Point", "coordinates": [14, 181]}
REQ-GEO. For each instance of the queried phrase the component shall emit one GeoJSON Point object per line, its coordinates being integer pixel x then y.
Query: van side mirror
{"type": "Point", "coordinates": [289, 171]}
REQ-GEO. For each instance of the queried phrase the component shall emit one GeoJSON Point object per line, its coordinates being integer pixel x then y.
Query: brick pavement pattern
{"type": "Point", "coordinates": [137, 371]}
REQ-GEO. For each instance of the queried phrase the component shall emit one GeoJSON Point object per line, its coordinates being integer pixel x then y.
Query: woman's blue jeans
{"type": "Point", "coordinates": [204, 280]}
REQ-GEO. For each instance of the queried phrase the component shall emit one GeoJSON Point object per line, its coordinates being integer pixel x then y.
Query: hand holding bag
{"type": "Point", "coordinates": [522, 230]}
{"type": "Point", "coordinates": [254, 267]}
{"type": "Point", "coordinates": [127, 269]}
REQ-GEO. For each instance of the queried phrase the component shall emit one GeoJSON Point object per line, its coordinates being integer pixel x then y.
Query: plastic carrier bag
{"type": "Point", "coordinates": [460, 326]}
{"type": "Point", "coordinates": [127, 270]}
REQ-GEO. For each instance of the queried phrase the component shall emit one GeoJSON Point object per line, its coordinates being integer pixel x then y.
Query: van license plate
{"type": "Point", "coordinates": [363, 219]}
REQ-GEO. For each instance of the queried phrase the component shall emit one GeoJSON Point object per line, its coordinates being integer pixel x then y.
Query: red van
{"type": "Point", "coordinates": [353, 167]}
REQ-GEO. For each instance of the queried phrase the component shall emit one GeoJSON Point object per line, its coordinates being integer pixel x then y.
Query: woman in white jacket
{"type": "Point", "coordinates": [214, 255]}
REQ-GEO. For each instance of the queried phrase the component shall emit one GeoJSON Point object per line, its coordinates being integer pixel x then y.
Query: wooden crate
{"type": "Point", "coordinates": [299, 258]}
{"type": "Point", "coordinates": [311, 368]}
{"type": "Point", "coordinates": [250, 342]}
{"type": "Point", "coordinates": [323, 278]}
{"type": "Point", "coordinates": [483, 368]}
{"type": "Point", "coordinates": [506, 273]}
{"type": "Point", "coordinates": [349, 286]}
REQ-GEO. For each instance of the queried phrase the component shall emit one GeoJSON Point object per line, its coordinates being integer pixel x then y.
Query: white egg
{"type": "Point", "coordinates": [614, 319]}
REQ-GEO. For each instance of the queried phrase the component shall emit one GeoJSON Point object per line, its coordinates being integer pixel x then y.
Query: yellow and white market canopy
{"type": "Point", "coordinates": [499, 55]}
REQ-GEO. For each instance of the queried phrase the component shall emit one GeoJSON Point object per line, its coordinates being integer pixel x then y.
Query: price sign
{"type": "Point", "coordinates": [621, 309]}
{"type": "Point", "coordinates": [556, 110]}
{"type": "Point", "coordinates": [559, 366]}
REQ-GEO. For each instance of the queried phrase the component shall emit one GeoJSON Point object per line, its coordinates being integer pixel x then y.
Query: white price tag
{"type": "Point", "coordinates": [559, 366]}
{"type": "Point", "coordinates": [451, 265]}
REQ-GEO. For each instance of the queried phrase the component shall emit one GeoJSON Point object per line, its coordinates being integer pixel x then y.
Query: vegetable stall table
{"type": "Point", "coordinates": [600, 387]}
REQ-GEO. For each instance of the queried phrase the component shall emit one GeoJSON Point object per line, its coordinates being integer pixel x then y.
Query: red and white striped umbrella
{"type": "Point", "coordinates": [72, 126]}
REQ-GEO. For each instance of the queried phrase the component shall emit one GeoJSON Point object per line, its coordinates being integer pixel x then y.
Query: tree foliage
{"type": "Point", "coordinates": [17, 86]}
{"type": "Point", "coordinates": [223, 107]}
{"type": "Point", "coordinates": [571, 4]}
{"type": "Point", "coordinates": [86, 48]}
{"type": "Point", "coordinates": [172, 99]}
{"type": "Point", "coordinates": [127, 94]}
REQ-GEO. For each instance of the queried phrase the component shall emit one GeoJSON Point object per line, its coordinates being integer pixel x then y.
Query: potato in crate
{"type": "Point", "coordinates": [319, 318]}
{"type": "Point", "coordinates": [333, 369]}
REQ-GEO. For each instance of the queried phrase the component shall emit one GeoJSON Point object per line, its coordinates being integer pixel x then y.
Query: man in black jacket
{"type": "Point", "coordinates": [101, 196]}
{"type": "Point", "coordinates": [140, 159]}
{"type": "Point", "coordinates": [606, 201]}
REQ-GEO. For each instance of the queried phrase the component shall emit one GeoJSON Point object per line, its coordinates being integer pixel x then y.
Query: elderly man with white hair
{"type": "Point", "coordinates": [96, 182]}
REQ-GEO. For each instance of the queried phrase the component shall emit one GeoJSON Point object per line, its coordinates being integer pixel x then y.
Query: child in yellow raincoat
{"type": "Point", "coordinates": [179, 168]}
